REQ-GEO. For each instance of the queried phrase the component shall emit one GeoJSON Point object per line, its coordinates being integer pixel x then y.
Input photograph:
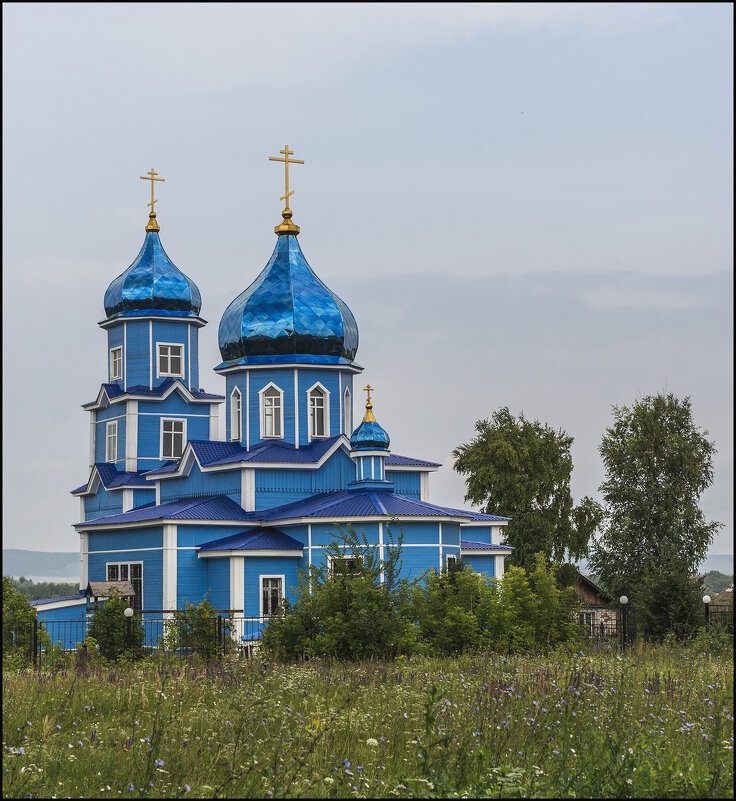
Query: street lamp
{"type": "Point", "coordinates": [129, 612]}
{"type": "Point", "coordinates": [128, 616]}
{"type": "Point", "coordinates": [706, 601]}
{"type": "Point", "coordinates": [623, 600]}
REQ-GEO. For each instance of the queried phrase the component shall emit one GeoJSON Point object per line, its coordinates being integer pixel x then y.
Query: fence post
{"type": "Point", "coordinates": [706, 601]}
{"type": "Point", "coordinates": [35, 642]}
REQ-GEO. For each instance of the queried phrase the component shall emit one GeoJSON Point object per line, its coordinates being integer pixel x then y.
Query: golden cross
{"type": "Point", "coordinates": [368, 389]}
{"type": "Point", "coordinates": [286, 161]}
{"type": "Point", "coordinates": [151, 179]}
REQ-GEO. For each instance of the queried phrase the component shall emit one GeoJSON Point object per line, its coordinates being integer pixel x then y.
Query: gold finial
{"type": "Point", "coordinates": [368, 417]}
{"type": "Point", "coordinates": [150, 176]}
{"type": "Point", "coordinates": [287, 226]}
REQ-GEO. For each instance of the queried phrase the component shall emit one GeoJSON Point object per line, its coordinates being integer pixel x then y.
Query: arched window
{"type": "Point", "coordinates": [235, 415]}
{"type": "Point", "coordinates": [317, 413]}
{"type": "Point", "coordinates": [272, 412]}
{"type": "Point", "coordinates": [347, 413]}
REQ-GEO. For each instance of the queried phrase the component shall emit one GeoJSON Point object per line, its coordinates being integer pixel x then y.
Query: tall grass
{"type": "Point", "coordinates": [655, 722]}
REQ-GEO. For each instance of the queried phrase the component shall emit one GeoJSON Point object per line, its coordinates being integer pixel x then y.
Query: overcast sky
{"type": "Point", "coordinates": [524, 205]}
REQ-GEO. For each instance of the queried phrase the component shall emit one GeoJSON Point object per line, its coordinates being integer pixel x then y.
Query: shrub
{"type": "Point", "coordinates": [201, 629]}
{"type": "Point", "coordinates": [109, 628]}
{"type": "Point", "coordinates": [18, 620]}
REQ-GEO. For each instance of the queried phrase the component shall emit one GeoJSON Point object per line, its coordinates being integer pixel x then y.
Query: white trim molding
{"type": "Point", "coordinates": [244, 554]}
{"type": "Point", "coordinates": [325, 412]}
{"type": "Point", "coordinates": [248, 489]}
{"type": "Point", "coordinates": [237, 582]}
{"type": "Point", "coordinates": [168, 373]}
{"type": "Point", "coordinates": [183, 433]}
{"type": "Point", "coordinates": [83, 559]}
{"type": "Point", "coordinates": [282, 578]}
{"type": "Point", "coordinates": [262, 408]}
{"type": "Point", "coordinates": [116, 375]}
{"type": "Point", "coordinates": [214, 422]}
{"type": "Point", "coordinates": [236, 415]}
{"type": "Point", "coordinates": [131, 435]}
{"type": "Point", "coordinates": [169, 568]}
{"type": "Point", "coordinates": [127, 500]}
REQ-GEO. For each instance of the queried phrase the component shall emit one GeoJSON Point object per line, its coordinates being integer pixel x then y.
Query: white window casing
{"type": "Point", "coordinates": [347, 407]}
{"type": "Point", "coordinates": [128, 571]}
{"type": "Point", "coordinates": [271, 593]}
{"type": "Point", "coordinates": [170, 360]}
{"type": "Point", "coordinates": [116, 363]}
{"type": "Point", "coordinates": [173, 437]}
{"type": "Point", "coordinates": [272, 412]}
{"type": "Point", "coordinates": [111, 441]}
{"type": "Point", "coordinates": [318, 406]}
{"type": "Point", "coordinates": [236, 415]}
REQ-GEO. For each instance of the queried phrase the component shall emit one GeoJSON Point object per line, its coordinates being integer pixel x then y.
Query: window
{"type": "Point", "coordinates": [451, 563]}
{"type": "Point", "coordinates": [347, 422]}
{"type": "Point", "coordinates": [170, 360]}
{"type": "Point", "coordinates": [272, 412]}
{"type": "Point", "coordinates": [116, 363]}
{"type": "Point", "coordinates": [111, 441]}
{"type": "Point", "coordinates": [173, 437]}
{"type": "Point", "coordinates": [317, 413]}
{"type": "Point", "coordinates": [272, 594]}
{"type": "Point", "coordinates": [346, 566]}
{"type": "Point", "coordinates": [132, 572]}
{"type": "Point", "coordinates": [235, 414]}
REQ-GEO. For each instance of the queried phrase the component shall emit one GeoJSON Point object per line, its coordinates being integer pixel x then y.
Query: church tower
{"type": "Point", "coordinates": [288, 345]}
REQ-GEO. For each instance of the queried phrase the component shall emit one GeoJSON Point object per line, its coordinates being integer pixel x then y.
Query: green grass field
{"type": "Point", "coordinates": [656, 722]}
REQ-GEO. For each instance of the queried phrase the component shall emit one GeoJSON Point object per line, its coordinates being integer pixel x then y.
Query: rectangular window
{"type": "Point", "coordinates": [173, 438]}
{"type": "Point", "coordinates": [346, 566]}
{"type": "Point", "coordinates": [132, 572]}
{"type": "Point", "coordinates": [116, 363]}
{"type": "Point", "coordinates": [111, 441]}
{"type": "Point", "coordinates": [451, 562]}
{"type": "Point", "coordinates": [272, 415]}
{"type": "Point", "coordinates": [171, 360]}
{"type": "Point", "coordinates": [317, 414]}
{"type": "Point", "coordinates": [235, 415]}
{"type": "Point", "coordinates": [272, 595]}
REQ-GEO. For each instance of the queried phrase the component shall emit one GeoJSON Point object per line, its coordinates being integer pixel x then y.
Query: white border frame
{"type": "Point", "coordinates": [239, 438]}
{"type": "Point", "coordinates": [347, 395]}
{"type": "Point", "coordinates": [262, 410]}
{"type": "Point", "coordinates": [159, 374]}
{"type": "Point", "coordinates": [109, 423]}
{"type": "Point", "coordinates": [112, 351]}
{"type": "Point", "coordinates": [161, 437]}
{"type": "Point", "coordinates": [134, 562]}
{"type": "Point", "coordinates": [326, 395]}
{"type": "Point", "coordinates": [262, 576]}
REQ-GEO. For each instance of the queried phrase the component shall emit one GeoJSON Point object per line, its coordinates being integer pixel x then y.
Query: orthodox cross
{"type": "Point", "coordinates": [286, 160]}
{"type": "Point", "coordinates": [368, 389]}
{"type": "Point", "coordinates": [152, 178]}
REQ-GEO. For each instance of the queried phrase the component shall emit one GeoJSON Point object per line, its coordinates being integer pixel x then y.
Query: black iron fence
{"type": "Point", "coordinates": [607, 626]}
{"type": "Point", "coordinates": [719, 617]}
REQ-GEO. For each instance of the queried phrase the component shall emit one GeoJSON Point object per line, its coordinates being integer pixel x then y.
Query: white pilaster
{"type": "Point", "coordinates": [424, 486]}
{"type": "Point", "coordinates": [380, 549]}
{"type": "Point", "coordinates": [237, 583]}
{"type": "Point", "coordinates": [296, 408]}
{"type": "Point", "coordinates": [158, 493]}
{"type": "Point", "coordinates": [214, 422]}
{"type": "Point", "coordinates": [169, 568]}
{"type": "Point", "coordinates": [131, 435]}
{"type": "Point", "coordinates": [248, 489]}
{"type": "Point", "coordinates": [441, 560]}
{"type": "Point", "coordinates": [340, 400]}
{"type": "Point", "coordinates": [83, 559]}
{"type": "Point", "coordinates": [92, 431]}
{"type": "Point", "coordinates": [125, 355]}
{"type": "Point", "coordinates": [499, 566]}
{"type": "Point", "coordinates": [127, 500]}
{"type": "Point", "coordinates": [150, 354]}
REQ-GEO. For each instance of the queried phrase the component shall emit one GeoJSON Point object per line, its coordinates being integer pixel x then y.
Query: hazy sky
{"type": "Point", "coordinates": [523, 204]}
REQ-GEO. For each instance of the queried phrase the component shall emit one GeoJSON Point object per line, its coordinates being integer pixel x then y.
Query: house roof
{"type": "Point", "coordinates": [472, 545]}
{"type": "Point", "coordinates": [394, 460]}
{"type": "Point", "coordinates": [259, 539]}
{"type": "Point", "coordinates": [215, 507]}
{"type": "Point", "coordinates": [102, 589]}
{"type": "Point", "coordinates": [114, 390]}
{"type": "Point", "coordinates": [79, 595]}
{"type": "Point", "coordinates": [111, 478]}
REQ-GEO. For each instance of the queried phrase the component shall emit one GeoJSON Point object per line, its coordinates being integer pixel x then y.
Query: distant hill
{"type": "Point", "coordinates": [59, 564]}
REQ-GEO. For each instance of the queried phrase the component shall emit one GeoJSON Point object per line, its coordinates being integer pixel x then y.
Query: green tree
{"type": "Point", "coordinates": [34, 591]}
{"type": "Point", "coordinates": [200, 628]}
{"type": "Point", "coordinates": [109, 628]}
{"type": "Point", "coordinates": [657, 464]}
{"type": "Point", "coordinates": [521, 469]}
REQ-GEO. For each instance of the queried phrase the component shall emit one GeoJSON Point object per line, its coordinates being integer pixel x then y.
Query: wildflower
{"type": "Point", "coordinates": [21, 751]}
{"type": "Point", "coordinates": [346, 763]}
{"type": "Point", "coordinates": [136, 723]}
{"type": "Point", "coordinates": [227, 723]}
{"type": "Point", "coordinates": [79, 743]}
{"type": "Point", "coordinates": [187, 788]}
{"type": "Point", "coordinates": [57, 726]}
{"type": "Point", "coordinates": [159, 763]}
{"type": "Point", "coordinates": [359, 768]}
{"type": "Point", "coordinates": [629, 781]}
{"type": "Point", "coordinates": [86, 707]}
{"type": "Point", "coordinates": [405, 715]}
{"type": "Point", "coordinates": [130, 787]}
{"type": "Point", "coordinates": [372, 742]}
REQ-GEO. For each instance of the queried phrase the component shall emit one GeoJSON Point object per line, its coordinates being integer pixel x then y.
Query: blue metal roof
{"type": "Point", "coordinates": [287, 315]}
{"type": "Point", "coordinates": [114, 390]}
{"type": "Point", "coordinates": [369, 435]}
{"type": "Point", "coordinates": [111, 477]}
{"type": "Point", "coordinates": [152, 284]}
{"type": "Point", "coordinates": [80, 594]}
{"type": "Point", "coordinates": [483, 516]}
{"type": "Point", "coordinates": [259, 539]}
{"type": "Point", "coordinates": [215, 507]}
{"type": "Point", "coordinates": [470, 545]}
{"type": "Point", "coordinates": [394, 460]}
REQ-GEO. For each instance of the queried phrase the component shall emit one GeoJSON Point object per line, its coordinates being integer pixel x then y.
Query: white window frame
{"type": "Point", "coordinates": [345, 558]}
{"type": "Point", "coordinates": [128, 565]}
{"type": "Point", "coordinates": [168, 373]}
{"type": "Point", "coordinates": [450, 558]}
{"type": "Point", "coordinates": [114, 352]}
{"type": "Point", "coordinates": [326, 408]}
{"type": "Point", "coordinates": [347, 412]}
{"type": "Point", "coordinates": [282, 578]}
{"type": "Point", "coordinates": [161, 435]}
{"type": "Point", "coordinates": [236, 399]}
{"type": "Point", "coordinates": [262, 405]}
{"type": "Point", "coordinates": [111, 435]}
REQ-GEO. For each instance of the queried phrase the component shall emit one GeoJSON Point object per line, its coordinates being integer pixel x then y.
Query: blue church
{"type": "Point", "coordinates": [182, 507]}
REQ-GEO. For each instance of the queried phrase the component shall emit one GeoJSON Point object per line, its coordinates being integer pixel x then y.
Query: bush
{"type": "Point", "coordinates": [198, 628]}
{"type": "Point", "coordinates": [109, 629]}
{"type": "Point", "coordinates": [18, 620]}
{"type": "Point", "coordinates": [349, 614]}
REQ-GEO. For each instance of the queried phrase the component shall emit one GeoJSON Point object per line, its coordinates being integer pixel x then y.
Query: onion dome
{"type": "Point", "coordinates": [287, 315]}
{"type": "Point", "coordinates": [369, 435]}
{"type": "Point", "coordinates": [152, 285]}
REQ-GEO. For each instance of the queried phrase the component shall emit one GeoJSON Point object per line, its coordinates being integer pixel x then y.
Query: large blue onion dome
{"type": "Point", "coordinates": [152, 284]}
{"type": "Point", "coordinates": [369, 435]}
{"type": "Point", "coordinates": [287, 315]}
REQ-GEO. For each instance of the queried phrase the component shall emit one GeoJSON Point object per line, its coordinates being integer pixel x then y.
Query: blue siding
{"type": "Point", "coordinates": [218, 582]}
{"type": "Point", "coordinates": [189, 536]}
{"type": "Point", "coordinates": [127, 538]}
{"type": "Point", "coordinates": [330, 381]}
{"type": "Point", "coordinates": [191, 577]}
{"type": "Point", "coordinates": [149, 428]}
{"type": "Point", "coordinates": [450, 534]}
{"type": "Point", "coordinates": [267, 566]}
{"type": "Point", "coordinates": [324, 533]}
{"type": "Point", "coordinates": [103, 503]}
{"type": "Point", "coordinates": [117, 411]}
{"type": "Point", "coordinates": [476, 533]}
{"type": "Point", "coordinates": [66, 625]}
{"type": "Point", "coordinates": [195, 356]}
{"type": "Point", "coordinates": [152, 572]}
{"type": "Point", "coordinates": [416, 561]}
{"type": "Point", "coordinates": [405, 482]}
{"type": "Point", "coordinates": [137, 357]}
{"type": "Point", "coordinates": [199, 484]}
{"type": "Point", "coordinates": [173, 332]}
{"type": "Point", "coordinates": [481, 564]}
{"type": "Point", "coordinates": [142, 497]}
{"type": "Point", "coordinates": [418, 533]}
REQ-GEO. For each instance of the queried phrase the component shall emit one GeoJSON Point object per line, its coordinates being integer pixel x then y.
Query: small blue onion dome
{"type": "Point", "coordinates": [152, 284]}
{"type": "Point", "coordinates": [369, 436]}
{"type": "Point", "coordinates": [287, 315]}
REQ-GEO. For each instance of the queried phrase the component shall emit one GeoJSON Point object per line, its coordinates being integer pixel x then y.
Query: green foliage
{"type": "Point", "coordinates": [34, 591]}
{"type": "Point", "coordinates": [346, 614]}
{"type": "Point", "coordinates": [18, 620]}
{"type": "Point", "coordinates": [110, 630]}
{"type": "Point", "coordinates": [714, 581]}
{"type": "Point", "coordinates": [521, 469]}
{"type": "Point", "coordinates": [657, 464]}
{"type": "Point", "coordinates": [200, 628]}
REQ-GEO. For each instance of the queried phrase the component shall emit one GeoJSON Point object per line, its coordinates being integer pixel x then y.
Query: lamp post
{"type": "Point", "coordinates": [128, 619]}
{"type": "Point", "coordinates": [623, 600]}
{"type": "Point", "coordinates": [706, 601]}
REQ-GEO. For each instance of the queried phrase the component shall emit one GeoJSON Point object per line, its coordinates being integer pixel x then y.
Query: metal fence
{"type": "Point", "coordinates": [608, 627]}
{"type": "Point", "coordinates": [719, 617]}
